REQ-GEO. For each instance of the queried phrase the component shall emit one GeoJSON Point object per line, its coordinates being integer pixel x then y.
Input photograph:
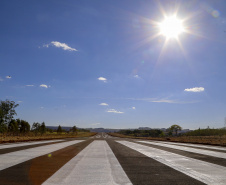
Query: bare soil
{"type": "Point", "coordinates": [25, 138]}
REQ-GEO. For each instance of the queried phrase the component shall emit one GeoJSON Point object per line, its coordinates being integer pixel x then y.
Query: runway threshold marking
{"type": "Point", "coordinates": [203, 171]}
{"type": "Point", "coordinates": [4, 146]}
{"type": "Point", "coordinates": [14, 158]}
{"type": "Point", "coordinates": [188, 149]}
{"type": "Point", "coordinates": [96, 165]}
{"type": "Point", "coordinates": [194, 145]}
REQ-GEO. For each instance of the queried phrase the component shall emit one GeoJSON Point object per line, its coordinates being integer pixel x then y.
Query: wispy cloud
{"type": "Point", "coordinates": [8, 77]}
{"type": "Point", "coordinates": [19, 101]}
{"type": "Point", "coordinates": [162, 100]}
{"type": "Point", "coordinates": [29, 85]}
{"type": "Point", "coordinates": [133, 108]}
{"type": "Point", "coordinates": [94, 124]}
{"type": "Point", "coordinates": [1, 79]}
{"type": "Point", "coordinates": [136, 76]}
{"type": "Point", "coordinates": [195, 89]}
{"type": "Point", "coordinates": [103, 104]}
{"type": "Point", "coordinates": [142, 99]}
{"type": "Point", "coordinates": [102, 79]}
{"type": "Point", "coordinates": [115, 111]}
{"type": "Point", "coordinates": [155, 100]}
{"type": "Point", "coordinates": [57, 44]}
{"type": "Point", "coordinates": [46, 45]}
{"type": "Point", "coordinates": [44, 85]}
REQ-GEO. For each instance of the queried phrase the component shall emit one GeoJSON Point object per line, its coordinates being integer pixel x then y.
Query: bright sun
{"type": "Point", "coordinates": [171, 27]}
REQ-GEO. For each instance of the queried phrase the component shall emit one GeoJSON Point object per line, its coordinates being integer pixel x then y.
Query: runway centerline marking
{"type": "Point", "coordinates": [96, 165]}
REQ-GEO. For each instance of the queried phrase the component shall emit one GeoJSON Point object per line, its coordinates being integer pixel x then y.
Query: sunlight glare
{"type": "Point", "coordinates": [171, 27]}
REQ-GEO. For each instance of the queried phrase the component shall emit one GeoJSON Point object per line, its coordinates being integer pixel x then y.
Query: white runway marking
{"type": "Point", "coordinates": [104, 135]}
{"type": "Point", "coordinates": [188, 149]}
{"type": "Point", "coordinates": [14, 158]}
{"type": "Point", "coordinates": [96, 165]}
{"type": "Point", "coordinates": [3, 146]}
{"type": "Point", "coordinates": [195, 145]}
{"type": "Point", "coordinates": [205, 172]}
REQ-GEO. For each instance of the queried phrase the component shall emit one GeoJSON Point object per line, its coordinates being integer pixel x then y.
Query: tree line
{"type": "Point", "coordinates": [12, 126]}
{"type": "Point", "coordinates": [207, 132]}
{"type": "Point", "coordinates": [173, 130]}
{"type": "Point", "coordinates": [142, 133]}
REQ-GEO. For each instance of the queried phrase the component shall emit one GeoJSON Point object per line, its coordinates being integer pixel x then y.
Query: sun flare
{"type": "Point", "coordinates": [171, 27]}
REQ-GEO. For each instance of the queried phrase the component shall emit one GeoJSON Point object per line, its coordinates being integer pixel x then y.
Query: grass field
{"type": "Point", "coordinates": [32, 137]}
{"type": "Point", "coordinates": [211, 140]}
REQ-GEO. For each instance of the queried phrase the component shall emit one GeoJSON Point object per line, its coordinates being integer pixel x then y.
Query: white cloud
{"type": "Point", "coordinates": [30, 85]}
{"type": "Point", "coordinates": [63, 45]}
{"type": "Point", "coordinates": [8, 77]}
{"type": "Point", "coordinates": [136, 76]}
{"type": "Point", "coordinates": [102, 79]}
{"type": "Point", "coordinates": [103, 104]}
{"type": "Point", "coordinates": [133, 108]}
{"type": "Point", "coordinates": [57, 44]}
{"type": "Point", "coordinates": [115, 111]}
{"type": "Point", "coordinates": [45, 86]}
{"type": "Point", "coordinates": [195, 89]}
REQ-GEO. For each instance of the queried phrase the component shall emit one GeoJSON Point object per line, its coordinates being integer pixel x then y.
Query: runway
{"type": "Point", "coordinates": [103, 160]}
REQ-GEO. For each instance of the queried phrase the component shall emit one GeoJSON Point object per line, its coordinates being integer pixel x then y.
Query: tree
{"type": "Point", "coordinates": [24, 126]}
{"type": "Point", "coordinates": [3, 127]}
{"type": "Point", "coordinates": [59, 130]}
{"type": "Point", "coordinates": [13, 127]}
{"type": "Point", "coordinates": [175, 128]}
{"type": "Point", "coordinates": [43, 128]}
{"type": "Point", "coordinates": [7, 111]}
{"type": "Point", "coordinates": [36, 127]}
{"type": "Point", "coordinates": [170, 133]}
{"type": "Point", "coordinates": [74, 129]}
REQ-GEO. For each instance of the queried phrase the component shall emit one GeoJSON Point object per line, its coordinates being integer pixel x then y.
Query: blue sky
{"type": "Point", "coordinates": [96, 63]}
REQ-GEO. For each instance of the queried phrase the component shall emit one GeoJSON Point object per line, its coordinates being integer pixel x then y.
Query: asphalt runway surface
{"type": "Point", "coordinates": [107, 160]}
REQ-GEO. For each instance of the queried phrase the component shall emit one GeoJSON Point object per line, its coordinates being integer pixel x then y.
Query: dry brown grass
{"type": "Point", "coordinates": [211, 140]}
{"type": "Point", "coordinates": [31, 137]}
